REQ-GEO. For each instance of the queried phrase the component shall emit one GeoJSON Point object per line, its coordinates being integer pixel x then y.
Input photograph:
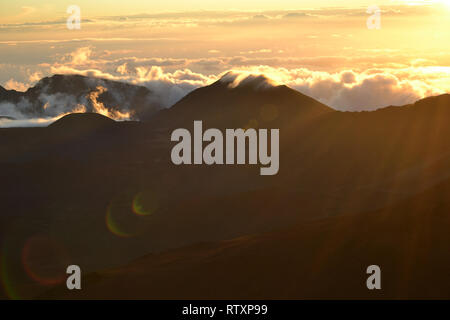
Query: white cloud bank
{"type": "Point", "coordinates": [171, 79]}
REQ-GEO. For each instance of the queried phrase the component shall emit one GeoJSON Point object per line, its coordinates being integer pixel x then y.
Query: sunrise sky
{"type": "Point", "coordinates": [322, 48]}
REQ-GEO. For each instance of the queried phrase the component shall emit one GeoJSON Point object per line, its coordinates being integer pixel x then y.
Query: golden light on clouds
{"type": "Point", "coordinates": [320, 49]}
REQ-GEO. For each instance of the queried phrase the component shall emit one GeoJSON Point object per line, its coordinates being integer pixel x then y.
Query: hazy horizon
{"type": "Point", "coordinates": [320, 49]}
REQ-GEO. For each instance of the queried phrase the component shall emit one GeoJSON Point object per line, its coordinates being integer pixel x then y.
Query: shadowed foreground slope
{"type": "Point", "coordinates": [321, 259]}
{"type": "Point", "coordinates": [353, 189]}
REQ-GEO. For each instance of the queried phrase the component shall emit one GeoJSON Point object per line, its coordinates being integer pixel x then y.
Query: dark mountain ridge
{"type": "Point", "coordinates": [221, 106]}
{"type": "Point", "coordinates": [340, 172]}
{"type": "Point", "coordinates": [58, 94]}
{"type": "Point", "coordinates": [87, 120]}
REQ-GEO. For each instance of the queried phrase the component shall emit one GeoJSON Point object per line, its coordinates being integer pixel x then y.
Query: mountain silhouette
{"type": "Point", "coordinates": [250, 103]}
{"type": "Point", "coordinates": [354, 189]}
{"type": "Point", "coordinates": [58, 94]}
{"type": "Point", "coordinates": [82, 120]}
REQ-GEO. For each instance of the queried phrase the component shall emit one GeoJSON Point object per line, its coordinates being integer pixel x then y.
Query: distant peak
{"type": "Point", "coordinates": [235, 79]}
{"type": "Point", "coordinates": [443, 99]}
{"type": "Point", "coordinates": [83, 120]}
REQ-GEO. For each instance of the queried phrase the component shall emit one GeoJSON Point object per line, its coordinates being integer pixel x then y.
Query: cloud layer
{"type": "Point", "coordinates": [57, 96]}
{"type": "Point", "coordinates": [171, 79]}
{"type": "Point", "coordinates": [326, 53]}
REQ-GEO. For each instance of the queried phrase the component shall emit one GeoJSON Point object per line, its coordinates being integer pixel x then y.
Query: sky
{"type": "Point", "coordinates": [12, 11]}
{"type": "Point", "coordinates": [325, 49]}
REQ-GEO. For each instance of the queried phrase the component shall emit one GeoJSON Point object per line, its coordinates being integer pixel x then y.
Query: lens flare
{"type": "Point", "coordinates": [45, 260]}
{"type": "Point", "coordinates": [125, 220]}
{"type": "Point", "coordinates": [6, 277]}
{"type": "Point", "coordinates": [29, 262]}
{"type": "Point", "coordinates": [13, 277]}
{"type": "Point", "coordinates": [145, 203]}
{"type": "Point", "coordinates": [113, 226]}
{"type": "Point", "coordinates": [128, 215]}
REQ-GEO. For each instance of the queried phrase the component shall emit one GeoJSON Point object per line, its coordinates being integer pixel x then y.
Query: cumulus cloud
{"type": "Point", "coordinates": [166, 87]}
{"type": "Point", "coordinates": [80, 56]}
{"type": "Point", "coordinates": [57, 96]}
{"type": "Point", "coordinates": [23, 123]}
{"type": "Point", "coordinates": [170, 79]}
{"type": "Point", "coordinates": [236, 79]}
{"type": "Point", "coordinates": [368, 94]}
{"type": "Point", "coordinates": [365, 91]}
{"type": "Point", "coordinates": [348, 77]}
{"type": "Point", "coordinates": [12, 84]}
{"type": "Point", "coordinates": [10, 110]}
